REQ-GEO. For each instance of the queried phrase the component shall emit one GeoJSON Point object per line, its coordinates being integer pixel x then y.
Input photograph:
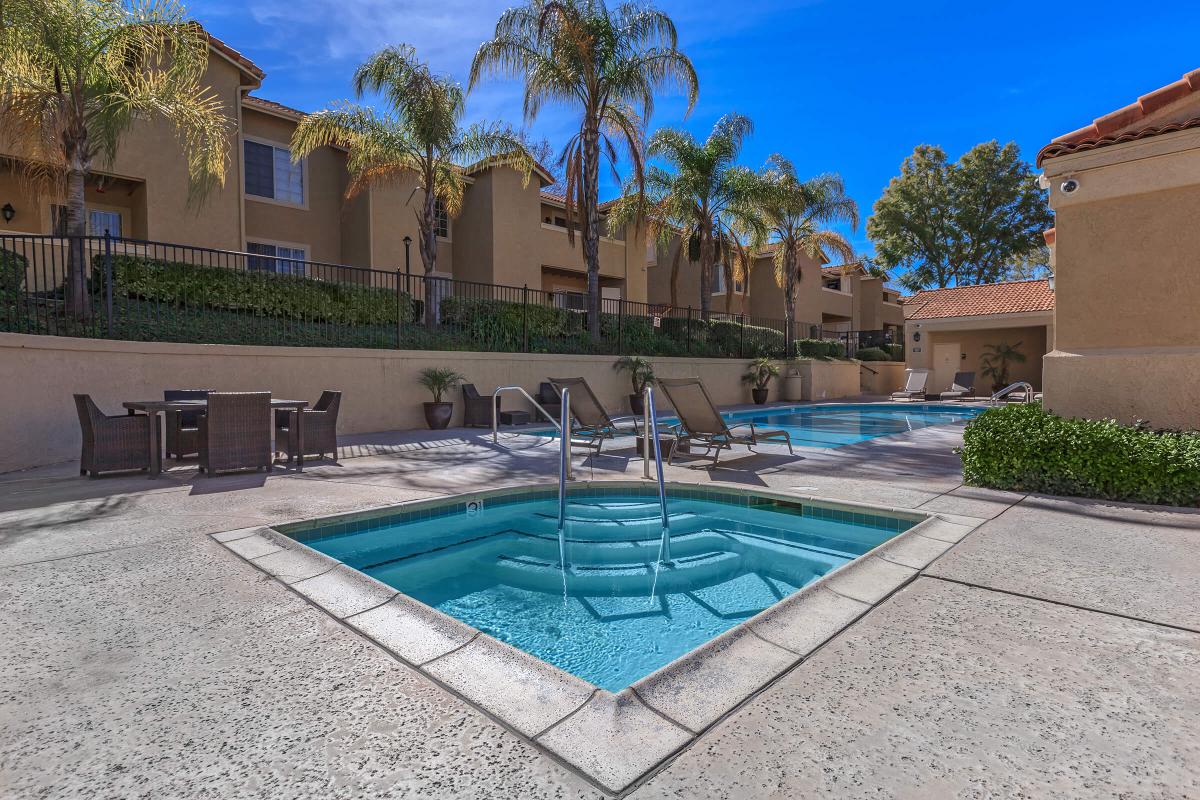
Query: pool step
{"type": "Point", "coordinates": [619, 580]}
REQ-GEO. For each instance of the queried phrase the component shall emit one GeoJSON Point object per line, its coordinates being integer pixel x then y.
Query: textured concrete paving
{"type": "Point", "coordinates": [142, 659]}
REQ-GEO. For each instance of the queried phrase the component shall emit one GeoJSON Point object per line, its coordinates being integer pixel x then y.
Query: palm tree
{"type": "Point", "coordinates": [609, 65]}
{"type": "Point", "coordinates": [420, 136]}
{"type": "Point", "coordinates": [794, 212]}
{"type": "Point", "coordinates": [746, 237]}
{"type": "Point", "coordinates": [75, 74]}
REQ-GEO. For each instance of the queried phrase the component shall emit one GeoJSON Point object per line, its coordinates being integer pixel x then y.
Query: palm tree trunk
{"type": "Point", "coordinates": [428, 248]}
{"type": "Point", "coordinates": [728, 286]}
{"type": "Point", "coordinates": [78, 303]}
{"type": "Point", "coordinates": [591, 228]}
{"type": "Point", "coordinates": [706, 265]}
{"type": "Point", "coordinates": [789, 267]}
{"type": "Point", "coordinates": [675, 273]}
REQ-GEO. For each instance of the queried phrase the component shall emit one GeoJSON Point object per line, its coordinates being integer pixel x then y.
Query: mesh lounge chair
{"type": "Point", "coordinates": [962, 386]}
{"type": "Point", "coordinates": [589, 420]}
{"type": "Point", "coordinates": [701, 423]}
{"type": "Point", "coordinates": [914, 385]}
{"type": "Point", "coordinates": [235, 432]}
{"type": "Point", "coordinates": [477, 409]}
{"type": "Point", "coordinates": [183, 427]}
{"type": "Point", "coordinates": [320, 428]}
{"type": "Point", "coordinates": [111, 444]}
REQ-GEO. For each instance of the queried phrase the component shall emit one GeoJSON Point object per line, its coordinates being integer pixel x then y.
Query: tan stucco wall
{"type": "Point", "coordinates": [882, 377]}
{"type": "Point", "coordinates": [380, 389]}
{"type": "Point", "coordinates": [1160, 385]}
{"type": "Point", "coordinates": [971, 342]}
{"type": "Point", "coordinates": [828, 380]}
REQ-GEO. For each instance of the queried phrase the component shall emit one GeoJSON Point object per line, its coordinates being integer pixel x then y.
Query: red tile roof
{"type": "Point", "coordinates": [234, 56]}
{"type": "Point", "coordinates": [272, 107]}
{"type": "Point", "coordinates": [1129, 123]}
{"type": "Point", "coordinates": [1013, 297]}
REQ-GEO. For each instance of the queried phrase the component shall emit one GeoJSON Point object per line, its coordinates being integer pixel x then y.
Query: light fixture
{"type": "Point", "coordinates": [9, 212]}
{"type": "Point", "coordinates": [1050, 281]}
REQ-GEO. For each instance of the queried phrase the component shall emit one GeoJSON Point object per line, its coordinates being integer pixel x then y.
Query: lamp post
{"type": "Point", "coordinates": [407, 245]}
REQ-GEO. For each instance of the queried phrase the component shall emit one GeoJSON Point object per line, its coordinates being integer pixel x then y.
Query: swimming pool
{"type": "Point", "coordinates": [836, 425]}
{"type": "Point", "coordinates": [613, 615]}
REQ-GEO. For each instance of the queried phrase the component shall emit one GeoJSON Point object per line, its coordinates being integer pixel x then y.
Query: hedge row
{"type": "Point", "coordinates": [1025, 448]}
{"type": "Point", "coordinates": [263, 293]}
{"type": "Point", "coordinates": [12, 274]}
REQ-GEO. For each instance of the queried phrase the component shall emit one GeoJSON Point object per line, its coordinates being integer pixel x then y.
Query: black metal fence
{"type": "Point", "coordinates": [108, 287]}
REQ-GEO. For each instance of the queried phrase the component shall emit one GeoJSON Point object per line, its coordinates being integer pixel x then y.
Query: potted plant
{"type": "Point", "coordinates": [641, 374]}
{"type": "Point", "coordinates": [996, 360]}
{"type": "Point", "coordinates": [439, 380]}
{"type": "Point", "coordinates": [762, 370]}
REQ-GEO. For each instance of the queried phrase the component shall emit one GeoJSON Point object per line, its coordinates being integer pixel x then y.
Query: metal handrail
{"type": "Point", "coordinates": [564, 471]}
{"type": "Point", "coordinates": [1012, 387]}
{"type": "Point", "coordinates": [651, 434]}
{"type": "Point", "coordinates": [496, 410]}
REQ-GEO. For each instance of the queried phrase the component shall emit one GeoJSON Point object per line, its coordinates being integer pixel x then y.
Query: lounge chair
{"type": "Point", "coordinates": [111, 444]}
{"type": "Point", "coordinates": [235, 432]}
{"type": "Point", "coordinates": [183, 427]}
{"type": "Point", "coordinates": [962, 386]}
{"type": "Point", "coordinates": [477, 408]}
{"type": "Point", "coordinates": [589, 420]}
{"type": "Point", "coordinates": [700, 422]}
{"type": "Point", "coordinates": [320, 428]}
{"type": "Point", "coordinates": [914, 385]}
{"type": "Point", "coordinates": [550, 400]}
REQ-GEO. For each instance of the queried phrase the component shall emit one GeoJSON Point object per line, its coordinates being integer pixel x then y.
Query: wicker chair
{"type": "Point", "coordinates": [320, 428]}
{"type": "Point", "coordinates": [477, 409]}
{"type": "Point", "coordinates": [112, 444]}
{"type": "Point", "coordinates": [549, 399]}
{"type": "Point", "coordinates": [183, 427]}
{"type": "Point", "coordinates": [235, 432]}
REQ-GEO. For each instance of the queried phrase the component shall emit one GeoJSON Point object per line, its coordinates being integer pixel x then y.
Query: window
{"type": "Point", "coordinates": [738, 286]}
{"type": "Point", "coordinates": [270, 173]}
{"type": "Point", "coordinates": [651, 252]}
{"type": "Point", "coordinates": [718, 279]}
{"type": "Point", "coordinates": [98, 221]}
{"type": "Point", "coordinates": [441, 220]}
{"type": "Point", "coordinates": [276, 258]}
{"type": "Point", "coordinates": [833, 284]}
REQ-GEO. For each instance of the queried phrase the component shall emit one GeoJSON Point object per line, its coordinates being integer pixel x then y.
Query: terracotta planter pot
{"type": "Point", "coordinates": [637, 403]}
{"type": "Point", "coordinates": [437, 415]}
{"type": "Point", "coordinates": [759, 395]}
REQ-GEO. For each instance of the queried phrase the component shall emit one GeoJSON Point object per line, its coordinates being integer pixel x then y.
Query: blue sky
{"type": "Point", "coordinates": [837, 86]}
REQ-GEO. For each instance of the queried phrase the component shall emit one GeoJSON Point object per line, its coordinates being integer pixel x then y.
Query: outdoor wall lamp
{"type": "Point", "coordinates": [8, 211]}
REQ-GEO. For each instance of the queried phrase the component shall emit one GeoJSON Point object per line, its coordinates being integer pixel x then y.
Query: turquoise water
{"type": "Point", "coordinates": [610, 619]}
{"type": "Point", "coordinates": [836, 425]}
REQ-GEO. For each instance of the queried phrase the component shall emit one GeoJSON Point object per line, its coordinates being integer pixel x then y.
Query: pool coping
{"type": "Point", "coordinates": [614, 740]}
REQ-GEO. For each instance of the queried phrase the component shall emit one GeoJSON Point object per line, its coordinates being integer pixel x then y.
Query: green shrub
{"type": "Point", "coordinates": [1025, 448]}
{"type": "Point", "coordinates": [12, 274]}
{"type": "Point", "coordinates": [264, 293]}
{"type": "Point", "coordinates": [872, 354]}
{"type": "Point", "coordinates": [895, 351]}
{"type": "Point", "coordinates": [819, 348]}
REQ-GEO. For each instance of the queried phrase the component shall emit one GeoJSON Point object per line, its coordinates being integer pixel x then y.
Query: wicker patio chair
{"type": "Point", "coordinates": [183, 427]}
{"type": "Point", "coordinates": [477, 408]}
{"type": "Point", "coordinates": [111, 444]}
{"type": "Point", "coordinates": [549, 399]}
{"type": "Point", "coordinates": [701, 424]}
{"type": "Point", "coordinates": [320, 428]}
{"type": "Point", "coordinates": [235, 432]}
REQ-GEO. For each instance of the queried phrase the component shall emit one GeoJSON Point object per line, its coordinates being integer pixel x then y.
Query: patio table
{"type": "Point", "coordinates": [155, 408]}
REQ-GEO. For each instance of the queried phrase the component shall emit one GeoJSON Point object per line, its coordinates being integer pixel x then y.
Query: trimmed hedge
{"type": "Point", "coordinates": [12, 274]}
{"type": "Point", "coordinates": [1026, 448]}
{"type": "Point", "coordinates": [872, 354]}
{"type": "Point", "coordinates": [820, 348]}
{"type": "Point", "coordinates": [263, 293]}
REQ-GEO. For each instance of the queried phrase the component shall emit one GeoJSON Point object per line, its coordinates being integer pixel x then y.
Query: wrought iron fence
{"type": "Point", "coordinates": [108, 287]}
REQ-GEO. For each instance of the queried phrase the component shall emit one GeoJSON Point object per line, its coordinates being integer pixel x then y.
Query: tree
{"type": "Point", "coordinates": [420, 136]}
{"type": "Point", "coordinates": [703, 192]}
{"type": "Point", "coordinates": [75, 74]}
{"type": "Point", "coordinates": [609, 65]}
{"type": "Point", "coordinates": [794, 212]}
{"type": "Point", "coordinates": [996, 360]}
{"type": "Point", "coordinates": [970, 222]}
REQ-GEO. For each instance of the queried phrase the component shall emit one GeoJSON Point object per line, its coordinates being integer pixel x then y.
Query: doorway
{"type": "Point", "coordinates": [946, 359]}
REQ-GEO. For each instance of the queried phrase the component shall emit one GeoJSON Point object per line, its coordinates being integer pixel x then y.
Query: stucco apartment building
{"type": "Point", "coordinates": [509, 232]}
{"type": "Point", "coordinates": [836, 298]}
{"type": "Point", "coordinates": [1126, 194]}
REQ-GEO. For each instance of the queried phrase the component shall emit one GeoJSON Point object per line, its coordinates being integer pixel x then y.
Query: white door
{"type": "Point", "coordinates": [946, 359]}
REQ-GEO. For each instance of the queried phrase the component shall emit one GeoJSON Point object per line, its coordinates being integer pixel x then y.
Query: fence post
{"type": "Point", "coordinates": [742, 338]}
{"type": "Point", "coordinates": [108, 281]}
{"type": "Point", "coordinates": [689, 331]}
{"type": "Point", "coordinates": [525, 318]}
{"type": "Point", "coordinates": [620, 325]}
{"type": "Point", "coordinates": [399, 310]}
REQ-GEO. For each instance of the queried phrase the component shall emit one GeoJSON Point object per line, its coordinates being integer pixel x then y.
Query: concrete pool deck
{"type": "Point", "coordinates": [1054, 651]}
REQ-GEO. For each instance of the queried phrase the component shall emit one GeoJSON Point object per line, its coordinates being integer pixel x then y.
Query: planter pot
{"type": "Point", "coordinates": [759, 395]}
{"type": "Point", "coordinates": [437, 415]}
{"type": "Point", "coordinates": [637, 403]}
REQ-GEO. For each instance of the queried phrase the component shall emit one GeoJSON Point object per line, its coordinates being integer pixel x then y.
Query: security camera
{"type": "Point", "coordinates": [1069, 185]}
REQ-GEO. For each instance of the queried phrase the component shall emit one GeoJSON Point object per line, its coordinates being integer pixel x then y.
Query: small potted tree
{"type": "Point", "coordinates": [762, 370]}
{"type": "Point", "coordinates": [996, 360]}
{"type": "Point", "coordinates": [641, 374]}
{"type": "Point", "coordinates": [439, 380]}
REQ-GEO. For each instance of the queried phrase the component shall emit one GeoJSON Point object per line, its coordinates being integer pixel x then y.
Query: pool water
{"type": "Point", "coordinates": [842, 424]}
{"type": "Point", "coordinates": [610, 618]}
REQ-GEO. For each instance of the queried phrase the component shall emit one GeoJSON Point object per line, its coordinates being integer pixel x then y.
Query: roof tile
{"type": "Point", "coordinates": [1013, 297]}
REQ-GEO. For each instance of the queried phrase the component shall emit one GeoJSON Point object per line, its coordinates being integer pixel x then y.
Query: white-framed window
{"type": "Point", "coordinates": [285, 259]}
{"type": "Point", "coordinates": [99, 221]}
{"type": "Point", "coordinates": [651, 251]}
{"type": "Point", "coordinates": [270, 173]}
{"type": "Point", "coordinates": [441, 220]}
{"type": "Point", "coordinates": [718, 279]}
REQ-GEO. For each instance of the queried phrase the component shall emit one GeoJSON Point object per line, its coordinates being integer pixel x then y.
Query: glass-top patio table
{"type": "Point", "coordinates": [154, 408]}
